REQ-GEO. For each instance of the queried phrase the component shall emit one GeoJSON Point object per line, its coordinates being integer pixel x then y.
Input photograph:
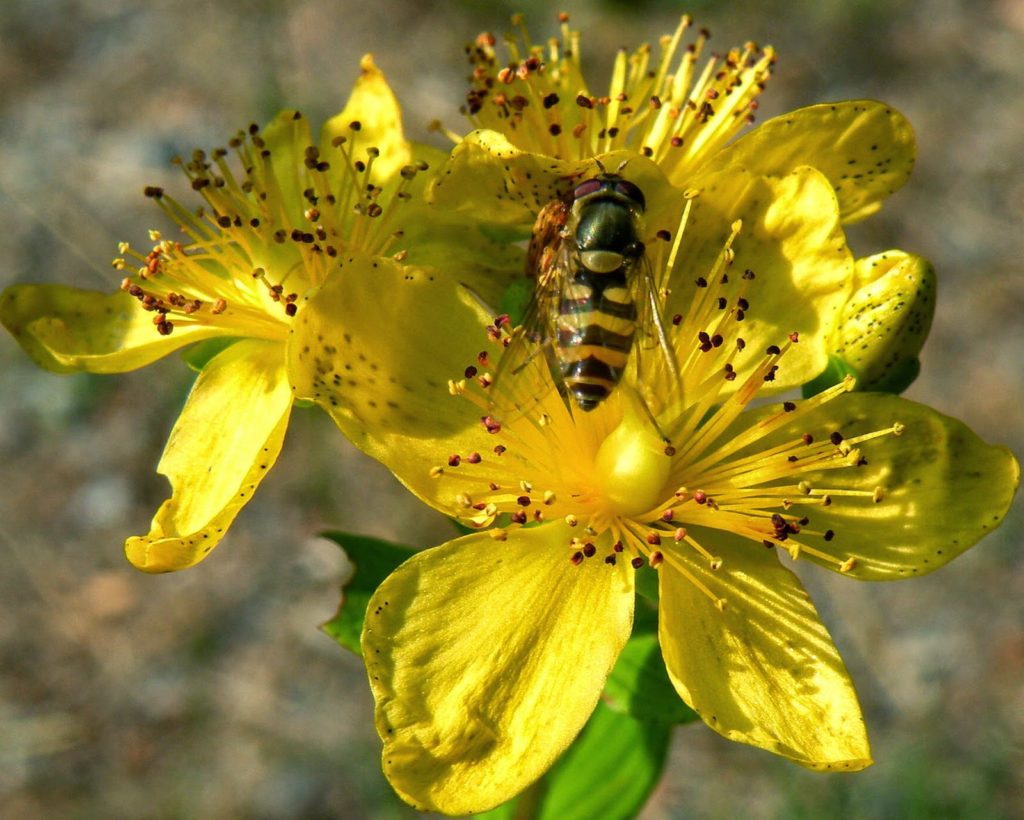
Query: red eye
{"type": "Point", "coordinates": [591, 186]}
{"type": "Point", "coordinates": [629, 190]}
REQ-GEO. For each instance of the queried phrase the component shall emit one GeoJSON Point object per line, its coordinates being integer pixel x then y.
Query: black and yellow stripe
{"type": "Point", "coordinates": [595, 326]}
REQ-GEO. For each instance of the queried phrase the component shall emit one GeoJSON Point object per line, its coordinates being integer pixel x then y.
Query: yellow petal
{"type": "Point", "coordinates": [486, 658]}
{"type": "Point", "coordinates": [941, 487]}
{"type": "Point", "coordinates": [66, 329]}
{"type": "Point", "coordinates": [761, 669]}
{"type": "Point", "coordinates": [455, 244]}
{"type": "Point", "coordinates": [475, 180]}
{"type": "Point", "coordinates": [792, 242]}
{"type": "Point", "coordinates": [373, 106]}
{"type": "Point", "coordinates": [225, 441]}
{"type": "Point", "coordinates": [865, 148]}
{"type": "Point", "coordinates": [489, 177]}
{"type": "Point", "coordinates": [376, 347]}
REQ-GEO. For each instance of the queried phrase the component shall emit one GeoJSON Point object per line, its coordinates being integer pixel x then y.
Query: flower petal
{"type": "Point", "coordinates": [865, 148]}
{"type": "Point", "coordinates": [476, 179]}
{"type": "Point", "coordinates": [469, 256]}
{"type": "Point", "coordinates": [225, 441]}
{"type": "Point", "coordinates": [762, 669]}
{"type": "Point", "coordinates": [486, 659]}
{"type": "Point", "coordinates": [376, 347]}
{"type": "Point", "coordinates": [489, 177]}
{"type": "Point", "coordinates": [373, 106]}
{"type": "Point", "coordinates": [943, 487]}
{"type": "Point", "coordinates": [66, 329]}
{"type": "Point", "coordinates": [792, 242]}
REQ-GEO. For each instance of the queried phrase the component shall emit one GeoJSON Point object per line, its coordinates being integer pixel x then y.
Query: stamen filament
{"type": "Point", "coordinates": [639, 544]}
{"type": "Point", "coordinates": [767, 425]}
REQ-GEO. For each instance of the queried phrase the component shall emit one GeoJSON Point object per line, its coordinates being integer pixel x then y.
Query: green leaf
{"type": "Point", "coordinates": [647, 584]}
{"type": "Point", "coordinates": [640, 687]}
{"type": "Point", "coordinates": [200, 353]}
{"type": "Point", "coordinates": [373, 560]}
{"type": "Point", "coordinates": [516, 300]}
{"type": "Point", "coordinates": [609, 772]}
{"type": "Point", "coordinates": [645, 616]}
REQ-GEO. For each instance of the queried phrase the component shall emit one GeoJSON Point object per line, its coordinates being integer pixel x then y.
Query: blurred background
{"type": "Point", "coordinates": [211, 693]}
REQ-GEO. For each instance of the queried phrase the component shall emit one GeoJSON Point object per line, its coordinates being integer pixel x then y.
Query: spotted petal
{"type": "Point", "coordinates": [476, 178]}
{"type": "Point", "coordinates": [227, 437]}
{"type": "Point", "coordinates": [865, 148]}
{"type": "Point", "coordinates": [793, 244]}
{"type": "Point", "coordinates": [941, 487]}
{"type": "Point", "coordinates": [65, 329]}
{"type": "Point", "coordinates": [762, 669]}
{"type": "Point", "coordinates": [486, 658]}
{"type": "Point", "coordinates": [376, 347]}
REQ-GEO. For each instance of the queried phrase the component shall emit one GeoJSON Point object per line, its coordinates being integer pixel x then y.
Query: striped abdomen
{"type": "Point", "coordinates": [596, 324]}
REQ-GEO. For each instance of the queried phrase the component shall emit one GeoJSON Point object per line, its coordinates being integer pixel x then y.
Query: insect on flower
{"type": "Point", "coordinates": [593, 290]}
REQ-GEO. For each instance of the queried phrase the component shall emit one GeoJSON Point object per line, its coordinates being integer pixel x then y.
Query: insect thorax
{"type": "Point", "coordinates": [606, 224]}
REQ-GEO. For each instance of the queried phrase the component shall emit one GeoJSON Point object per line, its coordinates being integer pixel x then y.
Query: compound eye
{"type": "Point", "coordinates": [591, 186]}
{"type": "Point", "coordinates": [630, 191]}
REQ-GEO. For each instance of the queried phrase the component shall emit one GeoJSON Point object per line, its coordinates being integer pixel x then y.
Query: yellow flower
{"type": "Point", "coordinates": [540, 129]}
{"type": "Point", "coordinates": [486, 655]}
{"type": "Point", "coordinates": [794, 236]}
{"type": "Point", "coordinates": [676, 108]}
{"type": "Point", "coordinates": [274, 223]}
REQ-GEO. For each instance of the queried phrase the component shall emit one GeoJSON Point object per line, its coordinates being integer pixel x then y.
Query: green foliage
{"type": "Point", "coordinates": [516, 299]}
{"type": "Point", "coordinates": [639, 685]}
{"type": "Point", "coordinates": [647, 584]}
{"type": "Point", "coordinates": [609, 772]}
{"type": "Point", "coordinates": [373, 560]}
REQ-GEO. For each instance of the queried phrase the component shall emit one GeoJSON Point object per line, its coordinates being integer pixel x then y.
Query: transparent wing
{"type": "Point", "coordinates": [528, 362]}
{"type": "Point", "coordinates": [652, 348]}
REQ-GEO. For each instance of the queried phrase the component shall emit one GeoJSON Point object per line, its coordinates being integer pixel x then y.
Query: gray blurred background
{"type": "Point", "coordinates": [211, 693]}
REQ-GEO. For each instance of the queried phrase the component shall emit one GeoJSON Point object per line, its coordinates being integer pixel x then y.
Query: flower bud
{"type": "Point", "coordinates": [883, 325]}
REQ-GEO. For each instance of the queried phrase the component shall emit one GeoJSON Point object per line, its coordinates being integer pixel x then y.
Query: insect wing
{"type": "Point", "coordinates": [652, 343]}
{"type": "Point", "coordinates": [531, 344]}
{"type": "Point", "coordinates": [546, 239]}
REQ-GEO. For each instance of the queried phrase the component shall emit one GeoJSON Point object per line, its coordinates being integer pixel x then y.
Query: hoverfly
{"type": "Point", "coordinates": [593, 290]}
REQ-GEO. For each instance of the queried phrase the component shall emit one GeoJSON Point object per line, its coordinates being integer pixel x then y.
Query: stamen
{"type": "Point", "coordinates": [637, 541]}
{"type": "Point", "coordinates": [244, 222]}
{"type": "Point", "coordinates": [540, 98]}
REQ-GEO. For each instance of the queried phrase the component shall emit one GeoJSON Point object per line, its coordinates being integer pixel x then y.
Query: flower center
{"type": "Point", "coordinates": [267, 230]}
{"type": "Point", "coordinates": [631, 466]}
{"type": "Point", "coordinates": [670, 459]}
